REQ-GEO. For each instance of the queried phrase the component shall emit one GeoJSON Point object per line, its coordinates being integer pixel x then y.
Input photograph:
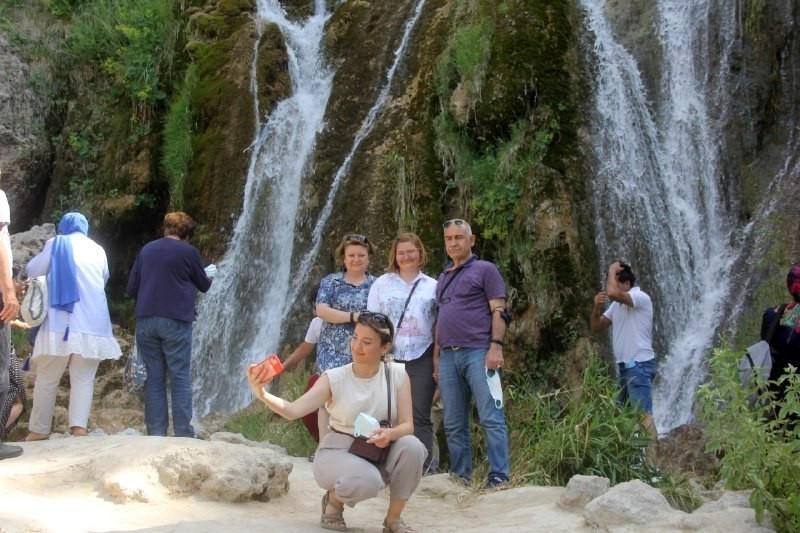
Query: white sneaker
{"type": "Point", "coordinates": [495, 388]}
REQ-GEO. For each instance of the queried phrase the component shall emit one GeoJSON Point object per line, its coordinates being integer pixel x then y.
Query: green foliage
{"type": "Point", "coordinates": [405, 179]}
{"type": "Point", "coordinates": [258, 423]}
{"type": "Point", "coordinates": [556, 436]}
{"type": "Point", "coordinates": [759, 448]}
{"type": "Point", "coordinates": [755, 12]}
{"type": "Point", "coordinates": [177, 151]}
{"type": "Point", "coordinates": [134, 41]}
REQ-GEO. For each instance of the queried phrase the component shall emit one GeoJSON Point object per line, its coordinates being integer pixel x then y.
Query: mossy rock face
{"type": "Point", "coordinates": [224, 108]}
{"type": "Point", "coordinates": [272, 69]}
{"type": "Point", "coordinates": [634, 25]}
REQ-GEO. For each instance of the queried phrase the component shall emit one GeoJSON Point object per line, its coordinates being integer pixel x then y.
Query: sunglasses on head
{"type": "Point", "coordinates": [356, 238]}
{"type": "Point", "coordinates": [378, 319]}
{"type": "Point", "coordinates": [456, 221]}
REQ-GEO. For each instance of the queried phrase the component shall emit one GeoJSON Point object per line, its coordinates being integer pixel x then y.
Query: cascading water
{"type": "Point", "coordinates": [242, 316]}
{"type": "Point", "coordinates": [657, 196]}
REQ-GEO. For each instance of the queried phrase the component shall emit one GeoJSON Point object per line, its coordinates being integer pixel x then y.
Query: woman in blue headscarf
{"type": "Point", "coordinates": [77, 330]}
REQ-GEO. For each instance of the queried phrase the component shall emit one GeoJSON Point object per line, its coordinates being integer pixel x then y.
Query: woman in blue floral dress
{"type": "Point", "coordinates": [340, 299]}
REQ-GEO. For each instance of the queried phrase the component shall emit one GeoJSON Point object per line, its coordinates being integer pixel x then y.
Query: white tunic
{"type": "Point", "coordinates": [388, 295]}
{"type": "Point", "coordinates": [90, 333]}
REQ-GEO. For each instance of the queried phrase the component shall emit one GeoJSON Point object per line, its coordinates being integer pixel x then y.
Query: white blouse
{"type": "Point", "coordinates": [388, 295]}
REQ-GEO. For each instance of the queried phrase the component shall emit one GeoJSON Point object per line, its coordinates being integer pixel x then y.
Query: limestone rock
{"type": "Point", "coordinates": [628, 504]}
{"type": "Point", "coordinates": [26, 244]}
{"type": "Point", "coordinates": [581, 490]}
{"type": "Point", "coordinates": [156, 468]}
{"type": "Point", "coordinates": [731, 512]}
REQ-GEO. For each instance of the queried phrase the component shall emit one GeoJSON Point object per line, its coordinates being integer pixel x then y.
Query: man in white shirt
{"type": "Point", "coordinates": [631, 313]}
{"type": "Point", "coordinates": [8, 312]}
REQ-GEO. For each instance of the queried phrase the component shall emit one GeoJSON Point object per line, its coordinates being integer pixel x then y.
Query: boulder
{"type": "Point", "coordinates": [26, 244]}
{"type": "Point", "coordinates": [581, 490]}
{"type": "Point", "coordinates": [156, 468]}
{"type": "Point", "coordinates": [628, 504]}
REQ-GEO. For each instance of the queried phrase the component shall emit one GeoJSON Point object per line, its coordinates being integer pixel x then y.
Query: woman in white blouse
{"type": "Point", "coordinates": [408, 297]}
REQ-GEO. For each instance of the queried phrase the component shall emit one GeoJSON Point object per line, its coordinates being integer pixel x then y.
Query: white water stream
{"type": "Point", "coordinates": [241, 317]}
{"type": "Point", "coordinates": [658, 202]}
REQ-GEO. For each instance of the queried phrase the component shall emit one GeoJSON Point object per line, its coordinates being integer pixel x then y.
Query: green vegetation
{"type": "Point", "coordinates": [178, 139]}
{"type": "Point", "coordinates": [405, 180]}
{"type": "Point", "coordinates": [758, 441]}
{"type": "Point", "coordinates": [134, 40]}
{"type": "Point", "coordinates": [258, 423]}
{"type": "Point", "coordinates": [558, 435]}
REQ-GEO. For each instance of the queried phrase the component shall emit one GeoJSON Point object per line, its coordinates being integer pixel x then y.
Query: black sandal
{"type": "Point", "coordinates": [333, 521]}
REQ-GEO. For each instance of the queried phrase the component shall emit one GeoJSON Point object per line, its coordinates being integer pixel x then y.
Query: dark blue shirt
{"type": "Point", "coordinates": [165, 279]}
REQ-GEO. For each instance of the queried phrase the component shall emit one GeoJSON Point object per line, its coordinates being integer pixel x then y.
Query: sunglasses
{"type": "Point", "coordinates": [356, 238]}
{"type": "Point", "coordinates": [456, 221]}
{"type": "Point", "coordinates": [375, 319]}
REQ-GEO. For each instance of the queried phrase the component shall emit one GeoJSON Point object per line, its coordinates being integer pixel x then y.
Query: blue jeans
{"type": "Point", "coordinates": [635, 385]}
{"type": "Point", "coordinates": [462, 375]}
{"type": "Point", "coordinates": [165, 346]}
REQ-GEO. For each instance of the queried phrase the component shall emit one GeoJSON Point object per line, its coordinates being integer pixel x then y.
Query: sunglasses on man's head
{"type": "Point", "coordinates": [456, 221]}
{"type": "Point", "coordinates": [357, 238]}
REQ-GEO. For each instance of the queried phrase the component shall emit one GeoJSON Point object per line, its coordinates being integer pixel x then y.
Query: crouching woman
{"type": "Point", "coordinates": [359, 387]}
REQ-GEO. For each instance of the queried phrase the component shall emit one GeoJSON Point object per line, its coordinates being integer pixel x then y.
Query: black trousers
{"type": "Point", "coordinates": [420, 374]}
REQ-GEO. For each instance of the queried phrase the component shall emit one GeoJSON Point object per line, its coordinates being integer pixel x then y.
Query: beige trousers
{"type": "Point", "coordinates": [355, 479]}
{"type": "Point", "coordinates": [49, 369]}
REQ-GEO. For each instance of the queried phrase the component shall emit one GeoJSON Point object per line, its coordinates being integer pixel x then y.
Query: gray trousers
{"type": "Point", "coordinates": [355, 479]}
{"type": "Point", "coordinates": [5, 362]}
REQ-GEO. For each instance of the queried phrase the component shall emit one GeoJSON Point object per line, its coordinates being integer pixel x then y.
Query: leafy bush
{"type": "Point", "coordinates": [759, 441]}
{"type": "Point", "coordinates": [134, 41]}
{"type": "Point", "coordinates": [558, 435]}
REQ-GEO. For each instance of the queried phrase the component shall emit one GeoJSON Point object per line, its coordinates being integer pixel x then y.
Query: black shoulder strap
{"type": "Point", "coordinates": [403, 314]}
{"type": "Point", "coordinates": [388, 391]}
{"type": "Point", "coordinates": [774, 325]}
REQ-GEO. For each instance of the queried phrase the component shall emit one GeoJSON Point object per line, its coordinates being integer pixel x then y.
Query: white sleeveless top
{"type": "Point", "coordinates": [351, 395]}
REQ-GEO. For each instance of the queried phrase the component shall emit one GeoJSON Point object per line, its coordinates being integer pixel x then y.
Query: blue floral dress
{"type": "Point", "coordinates": [333, 348]}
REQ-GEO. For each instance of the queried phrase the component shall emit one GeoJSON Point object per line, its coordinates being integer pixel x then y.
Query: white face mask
{"type": "Point", "coordinates": [495, 388]}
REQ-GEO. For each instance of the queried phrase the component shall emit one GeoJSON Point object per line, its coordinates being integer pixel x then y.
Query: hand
{"type": "Point", "coordinates": [257, 377]}
{"type": "Point", "coordinates": [600, 299]}
{"type": "Point", "coordinates": [494, 357]}
{"type": "Point", "coordinates": [10, 307]}
{"type": "Point", "coordinates": [381, 437]}
{"type": "Point", "coordinates": [211, 271]}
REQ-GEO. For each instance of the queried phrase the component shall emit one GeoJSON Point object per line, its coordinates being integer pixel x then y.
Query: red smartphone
{"type": "Point", "coordinates": [273, 365]}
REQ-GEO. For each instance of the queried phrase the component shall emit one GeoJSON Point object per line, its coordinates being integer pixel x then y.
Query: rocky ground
{"type": "Point", "coordinates": [226, 483]}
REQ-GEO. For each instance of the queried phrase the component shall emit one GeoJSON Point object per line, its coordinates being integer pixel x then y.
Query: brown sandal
{"type": "Point", "coordinates": [397, 526]}
{"type": "Point", "coordinates": [333, 521]}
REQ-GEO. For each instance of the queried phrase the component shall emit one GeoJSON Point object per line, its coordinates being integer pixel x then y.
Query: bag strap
{"type": "Point", "coordinates": [403, 314]}
{"type": "Point", "coordinates": [774, 325]}
{"type": "Point", "coordinates": [388, 392]}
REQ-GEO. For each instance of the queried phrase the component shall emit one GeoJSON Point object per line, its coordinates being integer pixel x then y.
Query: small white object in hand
{"type": "Point", "coordinates": [211, 271]}
{"type": "Point", "coordinates": [495, 388]}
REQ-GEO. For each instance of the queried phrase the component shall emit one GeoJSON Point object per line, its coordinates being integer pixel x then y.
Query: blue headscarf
{"type": "Point", "coordinates": [62, 283]}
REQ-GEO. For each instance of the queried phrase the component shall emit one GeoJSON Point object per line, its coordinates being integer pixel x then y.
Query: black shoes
{"type": "Point", "coordinates": [7, 452]}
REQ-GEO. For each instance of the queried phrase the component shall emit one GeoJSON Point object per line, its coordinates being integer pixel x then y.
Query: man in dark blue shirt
{"type": "Point", "coordinates": [164, 282]}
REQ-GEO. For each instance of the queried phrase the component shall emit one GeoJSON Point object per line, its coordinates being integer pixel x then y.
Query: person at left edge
{"type": "Point", "coordinates": [9, 307]}
{"type": "Point", "coordinates": [164, 282]}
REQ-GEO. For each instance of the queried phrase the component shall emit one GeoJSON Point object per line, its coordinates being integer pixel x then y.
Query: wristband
{"type": "Point", "coordinates": [351, 317]}
{"type": "Point", "coordinates": [497, 341]}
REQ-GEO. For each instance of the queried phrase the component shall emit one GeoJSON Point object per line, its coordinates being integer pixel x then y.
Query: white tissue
{"type": "Point", "coordinates": [365, 425]}
{"type": "Point", "coordinates": [495, 388]}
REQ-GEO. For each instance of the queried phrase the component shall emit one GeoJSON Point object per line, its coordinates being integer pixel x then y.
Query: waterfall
{"type": "Point", "coordinates": [242, 315]}
{"type": "Point", "coordinates": [657, 192]}
{"type": "Point", "coordinates": [240, 318]}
